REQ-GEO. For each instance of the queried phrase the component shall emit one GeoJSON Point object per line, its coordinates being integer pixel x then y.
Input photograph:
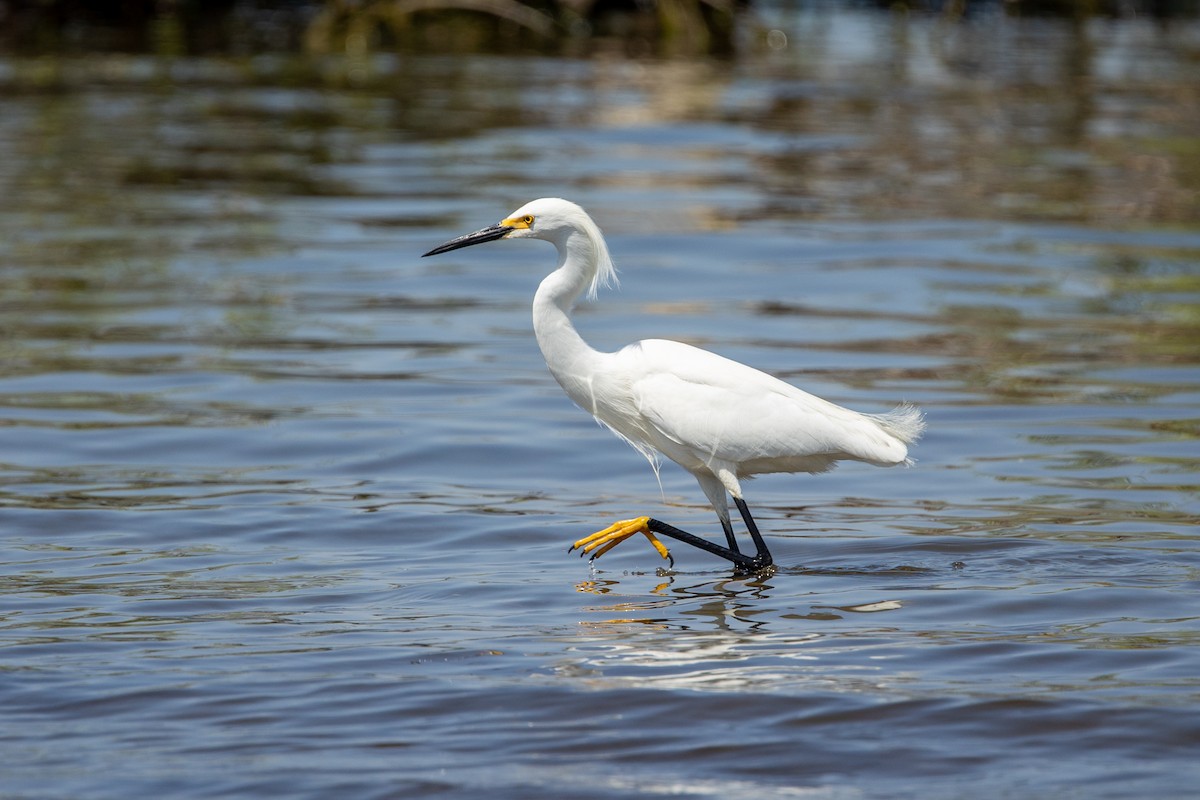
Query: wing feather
{"type": "Point", "coordinates": [698, 406]}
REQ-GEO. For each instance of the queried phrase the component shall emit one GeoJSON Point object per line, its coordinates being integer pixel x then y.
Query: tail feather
{"type": "Point", "coordinates": [906, 422]}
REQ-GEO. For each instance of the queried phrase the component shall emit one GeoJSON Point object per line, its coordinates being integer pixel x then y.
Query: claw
{"type": "Point", "coordinates": [601, 542]}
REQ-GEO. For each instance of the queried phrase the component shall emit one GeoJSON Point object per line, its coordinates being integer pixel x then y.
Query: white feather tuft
{"type": "Point", "coordinates": [606, 271]}
{"type": "Point", "coordinates": [906, 422]}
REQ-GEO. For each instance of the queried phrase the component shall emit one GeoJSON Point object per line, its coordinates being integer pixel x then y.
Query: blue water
{"type": "Point", "coordinates": [284, 508]}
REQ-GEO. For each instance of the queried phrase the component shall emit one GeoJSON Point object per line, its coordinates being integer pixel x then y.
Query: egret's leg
{"type": "Point", "coordinates": [728, 528]}
{"type": "Point", "coordinates": [718, 498]}
{"type": "Point", "coordinates": [760, 545]}
{"type": "Point", "coordinates": [601, 542]}
{"type": "Point", "coordinates": [743, 563]}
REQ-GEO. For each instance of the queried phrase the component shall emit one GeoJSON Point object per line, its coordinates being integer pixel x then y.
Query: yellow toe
{"type": "Point", "coordinates": [659, 546]}
{"type": "Point", "coordinates": [601, 542]}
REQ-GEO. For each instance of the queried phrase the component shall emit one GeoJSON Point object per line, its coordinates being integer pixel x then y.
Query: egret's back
{"type": "Point", "coordinates": [700, 409]}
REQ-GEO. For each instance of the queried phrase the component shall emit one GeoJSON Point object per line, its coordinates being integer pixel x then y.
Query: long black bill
{"type": "Point", "coordinates": [489, 234]}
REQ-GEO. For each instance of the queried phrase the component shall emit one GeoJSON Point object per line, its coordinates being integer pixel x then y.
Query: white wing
{"type": "Point", "coordinates": [701, 410]}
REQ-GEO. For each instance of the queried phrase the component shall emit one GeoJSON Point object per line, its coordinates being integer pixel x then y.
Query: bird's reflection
{"type": "Point", "coordinates": [717, 604]}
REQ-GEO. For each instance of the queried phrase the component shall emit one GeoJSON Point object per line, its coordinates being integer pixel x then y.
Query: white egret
{"type": "Point", "coordinates": [720, 420]}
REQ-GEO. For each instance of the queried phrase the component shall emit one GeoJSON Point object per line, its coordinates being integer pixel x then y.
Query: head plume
{"type": "Point", "coordinates": [561, 221]}
{"type": "Point", "coordinates": [606, 270]}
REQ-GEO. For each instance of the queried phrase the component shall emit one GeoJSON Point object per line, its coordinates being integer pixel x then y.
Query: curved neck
{"type": "Point", "coordinates": [571, 360]}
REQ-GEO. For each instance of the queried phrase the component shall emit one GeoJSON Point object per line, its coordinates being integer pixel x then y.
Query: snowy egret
{"type": "Point", "coordinates": [718, 419]}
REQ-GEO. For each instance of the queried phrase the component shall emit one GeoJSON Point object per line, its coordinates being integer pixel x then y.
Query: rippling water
{"type": "Point", "coordinates": [285, 507]}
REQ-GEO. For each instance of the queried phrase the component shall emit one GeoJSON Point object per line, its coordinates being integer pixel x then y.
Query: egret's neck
{"type": "Point", "coordinates": [570, 359]}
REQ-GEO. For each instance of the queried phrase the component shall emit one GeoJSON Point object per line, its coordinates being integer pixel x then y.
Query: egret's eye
{"type": "Point", "coordinates": [527, 219]}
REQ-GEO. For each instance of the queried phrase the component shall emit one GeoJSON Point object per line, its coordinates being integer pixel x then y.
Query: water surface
{"type": "Point", "coordinates": [285, 507]}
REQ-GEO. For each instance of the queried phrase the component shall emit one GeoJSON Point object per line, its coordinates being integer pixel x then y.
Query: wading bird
{"type": "Point", "coordinates": [718, 419]}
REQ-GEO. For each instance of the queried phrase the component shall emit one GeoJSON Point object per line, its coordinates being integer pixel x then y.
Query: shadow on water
{"type": "Point", "coordinates": [284, 506]}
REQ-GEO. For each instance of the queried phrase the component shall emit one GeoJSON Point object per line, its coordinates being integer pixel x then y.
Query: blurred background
{"type": "Point", "coordinates": [569, 27]}
{"type": "Point", "coordinates": [283, 506]}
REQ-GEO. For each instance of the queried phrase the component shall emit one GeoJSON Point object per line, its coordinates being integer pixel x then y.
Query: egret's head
{"type": "Point", "coordinates": [553, 220]}
{"type": "Point", "coordinates": [549, 218]}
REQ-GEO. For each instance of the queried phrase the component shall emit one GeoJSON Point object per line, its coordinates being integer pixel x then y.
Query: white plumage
{"type": "Point", "coordinates": [717, 418]}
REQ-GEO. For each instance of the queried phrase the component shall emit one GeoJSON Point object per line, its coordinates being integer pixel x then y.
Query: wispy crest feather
{"type": "Point", "coordinates": [606, 271]}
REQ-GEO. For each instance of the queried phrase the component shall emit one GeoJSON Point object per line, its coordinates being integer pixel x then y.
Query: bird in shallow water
{"type": "Point", "coordinates": [720, 420]}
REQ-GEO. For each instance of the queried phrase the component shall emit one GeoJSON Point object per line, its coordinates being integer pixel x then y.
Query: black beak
{"type": "Point", "coordinates": [489, 234]}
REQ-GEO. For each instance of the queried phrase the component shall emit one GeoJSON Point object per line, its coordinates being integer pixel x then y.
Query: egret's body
{"type": "Point", "coordinates": [719, 419]}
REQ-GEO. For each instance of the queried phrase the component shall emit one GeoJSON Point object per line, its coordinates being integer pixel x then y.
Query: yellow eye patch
{"type": "Point", "coordinates": [518, 222]}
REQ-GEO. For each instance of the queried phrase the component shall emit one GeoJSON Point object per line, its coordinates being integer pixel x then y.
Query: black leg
{"type": "Point", "coordinates": [760, 561]}
{"type": "Point", "coordinates": [760, 544]}
{"type": "Point", "coordinates": [729, 537]}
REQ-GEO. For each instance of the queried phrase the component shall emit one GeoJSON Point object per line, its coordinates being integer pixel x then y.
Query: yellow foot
{"type": "Point", "coordinates": [602, 541]}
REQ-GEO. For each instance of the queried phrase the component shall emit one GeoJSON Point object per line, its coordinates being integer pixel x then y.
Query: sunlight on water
{"type": "Point", "coordinates": [285, 506]}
